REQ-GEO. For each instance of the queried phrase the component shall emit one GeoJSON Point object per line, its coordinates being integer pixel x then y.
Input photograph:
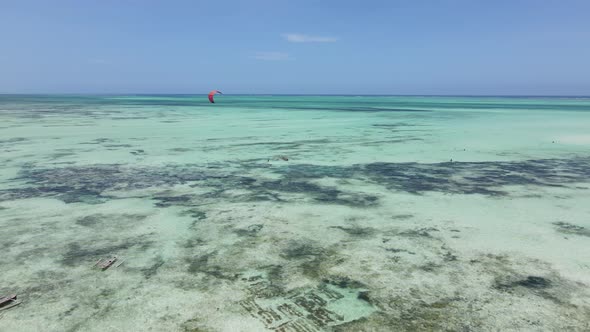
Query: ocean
{"type": "Point", "coordinates": [295, 213]}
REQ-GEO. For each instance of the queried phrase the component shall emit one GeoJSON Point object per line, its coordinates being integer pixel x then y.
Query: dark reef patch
{"type": "Point", "coordinates": [356, 109]}
{"type": "Point", "coordinates": [534, 282]}
{"type": "Point", "coordinates": [530, 282]}
{"type": "Point", "coordinates": [13, 140]}
{"type": "Point", "coordinates": [202, 264]}
{"type": "Point", "coordinates": [550, 286]}
{"type": "Point", "coordinates": [192, 243]}
{"type": "Point", "coordinates": [194, 325]}
{"type": "Point", "coordinates": [100, 219]}
{"type": "Point", "coordinates": [251, 230]}
{"type": "Point", "coordinates": [196, 214]}
{"type": "Point", "coordinates": [310, 259]}
{"type": "Point", "coordinates": [321, 194]}
{"type": "Point", "coordinates": [420, 232]}
{"type": "Point", "coordinates": [69, 311]}
{"type": "Point", "coordinates": [166, 201]}
{"type": "Point", "coordinates": [484, 178]}
{"type": "Point", "coordinates": [90, 220]}
{"type": "Point", "coordinates": [343, 282]}
{"type": "Point", "coordinates": [396, 251]}
{"type": "Point", "coordinates": [152, 270]}
{"type": "Point", "coordinates": [402, 216]}
{"type": "Point", "coordinates": [364, 295]}
{"type": "Point", "coordinates": [357, 231]}
{"type": "Point", "coordinates": [392, 140]}
{"type": "Point", "coordinates": [89, 184]}
{"type": "Point", "coordinates": [300, 250]}
{"type": "Point", "coordinates": [118, 146]}
{"type": "Point", "coordinates": [289, 145]}
{"type": "Point", "coordinates": [180, 149]}
{"type": "Point", "coordinates": [96, 141]}
{"type": "Point", "coordinates": [395, 125]}
{"type": "Point", "coordinates": [197, 263]}
{"type": "Point", "coordinates": [430, 267]}
{"type": "Point", "coordinates": [59, 155]}
{"type": "Point", "coordinates": [78, 254]}
{"type": "Point", "coordinates": [567, 228]}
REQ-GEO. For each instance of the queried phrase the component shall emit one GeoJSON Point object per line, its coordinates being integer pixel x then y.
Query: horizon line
{"type": "Point", "coordinates": [291, 94]}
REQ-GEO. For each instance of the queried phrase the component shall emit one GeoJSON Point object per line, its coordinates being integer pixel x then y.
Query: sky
{"type": "Point", "coordinates": [454, 47]}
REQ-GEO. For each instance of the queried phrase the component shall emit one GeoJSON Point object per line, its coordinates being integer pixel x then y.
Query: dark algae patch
{"type": "Point", "coordinates": [152, 270]}
{"type": "Point", "coordinates": [534, 282]}
{"type": "Point", "coordinates": [251, 230]}
{"type": "Point", "coordinates": [205, 264]}
{"type": "Point", "coordinates": [317, 193]}
{"type": "Point", "coordinates": [343, 282]}
{"type": "Point", "coordinates": [533, 285]}
{"type": "Point", "coordinates": [530, 282]}
{"type": "Point", "coordinates": [166, 201]}
{"type": "Point", "coordinates": [300, 250]}
{"type": "Point", "coordinates": [197, 215]}
{"type": "Point", "coordinates": [101, 220]}
{"type": "Point", "coordinates": [78, 253]}
{"type": "Point", "coordinates": [485, 178]}
{"type": "Point", "coordinates": [567, 228]}
{"type": "Point", "coordinates": [420, 232]}
{"type": "Point", "coordinates": [88, 184]}
{"type": "Point", "coordinates": [311, 259]}
{"type": "Point", "coordinates": [357, 231]}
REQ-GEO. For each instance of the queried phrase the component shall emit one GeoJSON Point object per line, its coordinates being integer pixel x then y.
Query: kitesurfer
{"type": "Point", "coordinates": [213, 93]}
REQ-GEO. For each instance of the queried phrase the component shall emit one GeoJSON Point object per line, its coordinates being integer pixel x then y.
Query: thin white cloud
{"type": "Point", "coordinates": [301, 38]}
{"type": "Point", "coordinates": [272, 56]}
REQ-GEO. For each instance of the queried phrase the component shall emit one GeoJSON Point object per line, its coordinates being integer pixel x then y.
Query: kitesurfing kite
{"type": "Point", "coordinates": [213, 93]}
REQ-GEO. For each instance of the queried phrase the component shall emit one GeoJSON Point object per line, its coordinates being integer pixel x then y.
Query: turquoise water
{"type": "Point", "coordinates": [295, 213]}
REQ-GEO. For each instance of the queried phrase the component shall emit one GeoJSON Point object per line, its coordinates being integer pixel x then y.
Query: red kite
{"type": "Point", "coordinates": [213, 93]}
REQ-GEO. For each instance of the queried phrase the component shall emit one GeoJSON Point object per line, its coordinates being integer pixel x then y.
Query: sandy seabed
{"type": "Point", "coordinates": [390, 214]}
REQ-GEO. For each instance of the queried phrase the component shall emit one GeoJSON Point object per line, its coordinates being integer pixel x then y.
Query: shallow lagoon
{"type": "Point", "coordinates": [392, 213]}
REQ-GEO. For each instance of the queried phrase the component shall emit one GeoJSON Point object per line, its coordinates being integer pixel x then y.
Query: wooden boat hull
{"type": "Point", "coordinates": [8, 302]}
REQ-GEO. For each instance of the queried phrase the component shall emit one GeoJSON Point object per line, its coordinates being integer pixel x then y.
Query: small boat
{"type": "Point", "coordinates": [8, 302]}
{"type": "Point", "coordinates": [104, 264]}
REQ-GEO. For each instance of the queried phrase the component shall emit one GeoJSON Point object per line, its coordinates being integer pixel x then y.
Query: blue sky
{"type": "Point", "coordinates": [318, 47]}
